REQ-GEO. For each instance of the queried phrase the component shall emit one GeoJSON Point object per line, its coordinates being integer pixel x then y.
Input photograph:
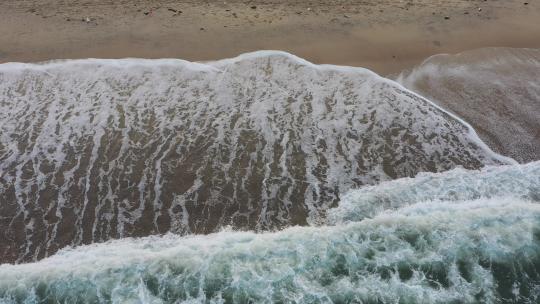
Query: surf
{"type": "Point", "coordinates": [93, 150]}
{"type": "Point", "coordinates": [262, 178]}
{"type": "Point", "coordinates": [468, 247]}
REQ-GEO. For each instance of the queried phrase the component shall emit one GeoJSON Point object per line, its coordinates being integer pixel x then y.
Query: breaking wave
{"type": "Point", "coordinates": [455, 237]}
{"type": "Point", "coordinates": [93, 150]}
{"type": "Point", "coordinates": [521, 182]}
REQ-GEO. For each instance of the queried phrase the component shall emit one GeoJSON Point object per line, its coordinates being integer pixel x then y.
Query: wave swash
{"type": "Point", "coordinates": [109, 167]}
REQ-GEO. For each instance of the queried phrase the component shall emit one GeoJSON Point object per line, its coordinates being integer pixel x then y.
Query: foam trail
{"type": "Point", "coordinates": [480, 250]}
{"type": "Point", "coordinates": [92, 150]}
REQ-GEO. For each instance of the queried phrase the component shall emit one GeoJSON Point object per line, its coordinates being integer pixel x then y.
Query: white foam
{"type": "Point", "coordinates": [98, 149]}
{"type": "Point", "coordinates": [495, 89]}
{"type": "Point", "coordinates": [432, 251]}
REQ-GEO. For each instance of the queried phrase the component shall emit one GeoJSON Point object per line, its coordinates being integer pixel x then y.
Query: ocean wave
{"type": "Point", "coordinates": [522, 182]}
{"type": "Point", "coordinates": [92, 150]}
{"type": "Point", "coordinates": [448, 244]}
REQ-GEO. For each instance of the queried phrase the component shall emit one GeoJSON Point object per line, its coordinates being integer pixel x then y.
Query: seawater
{"type": "Point", "coordinates": [93, 150]}
{"type": "Point", "coordinates": [432, 239]}
{"type": "Point", "coordinates": [258, 179]}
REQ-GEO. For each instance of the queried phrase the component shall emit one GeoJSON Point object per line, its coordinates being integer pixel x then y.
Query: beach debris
{"type": "Point", "coordinates": [253, 7]}
{"type": "Point", "coordinates": [479, 9]}
{"type": "Point", "coordinates": [87, 19]}
{"type": "Point", "coordinates": [146, 13]}
{"type": "Point", "coordinates": [175, 11]}
{"type": "Point", "coordinates": [525, 3]}
{"type": "Point", "coordinates": [446, 17]}
{"type": "Point", "coordinates": [202, 28]}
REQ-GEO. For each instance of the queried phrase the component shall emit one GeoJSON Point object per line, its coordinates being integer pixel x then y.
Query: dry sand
{"type": "Point", "coordinates": [384, 35]}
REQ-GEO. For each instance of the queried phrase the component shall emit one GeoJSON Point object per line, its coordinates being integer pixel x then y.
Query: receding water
{"type": "Point", "coordinates": [495, 89]}
{"type": "Point", "coordinates": [92, 150]}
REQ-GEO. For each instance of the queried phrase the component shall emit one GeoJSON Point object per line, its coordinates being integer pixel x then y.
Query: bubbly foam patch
{"type": "Point", "coordinates": [522, 182]}
{"type": "Point", "coordinates": [482, 250]}
{"type": "Point", "coordinates": [92, 150]}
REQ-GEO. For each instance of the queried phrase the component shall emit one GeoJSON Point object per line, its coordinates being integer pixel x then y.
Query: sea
{"type": "Point", "coordinates": [265, 178]}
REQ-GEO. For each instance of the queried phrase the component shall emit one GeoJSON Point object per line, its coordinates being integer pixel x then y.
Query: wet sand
{"type": "Point", "coordinates": [385, 36]}
{"type": "Point", "coordinates": [494, 89]}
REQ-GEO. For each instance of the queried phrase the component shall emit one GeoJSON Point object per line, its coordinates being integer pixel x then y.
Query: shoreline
{"type": "Point", "coordinates": [383, 36]}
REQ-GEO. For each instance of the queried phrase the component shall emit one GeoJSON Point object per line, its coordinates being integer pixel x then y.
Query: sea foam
{"type": "Point", "coordinates": [92, 150]}
{"type": "Point", "coordinates": [474, 246]}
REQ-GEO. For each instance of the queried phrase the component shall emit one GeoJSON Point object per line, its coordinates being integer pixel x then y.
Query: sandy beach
{"type": "Point", "coordinates": [385, 36]}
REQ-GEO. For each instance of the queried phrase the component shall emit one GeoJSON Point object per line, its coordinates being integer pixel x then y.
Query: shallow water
{"type": "Point", "coordinates": [316, 184]}
{"type": "Point", "coordinates": [425, 245]}
{"type": "Point", "coordinates": [92, 150]}
{"type": "Point", "coordinates": [496, 90]}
